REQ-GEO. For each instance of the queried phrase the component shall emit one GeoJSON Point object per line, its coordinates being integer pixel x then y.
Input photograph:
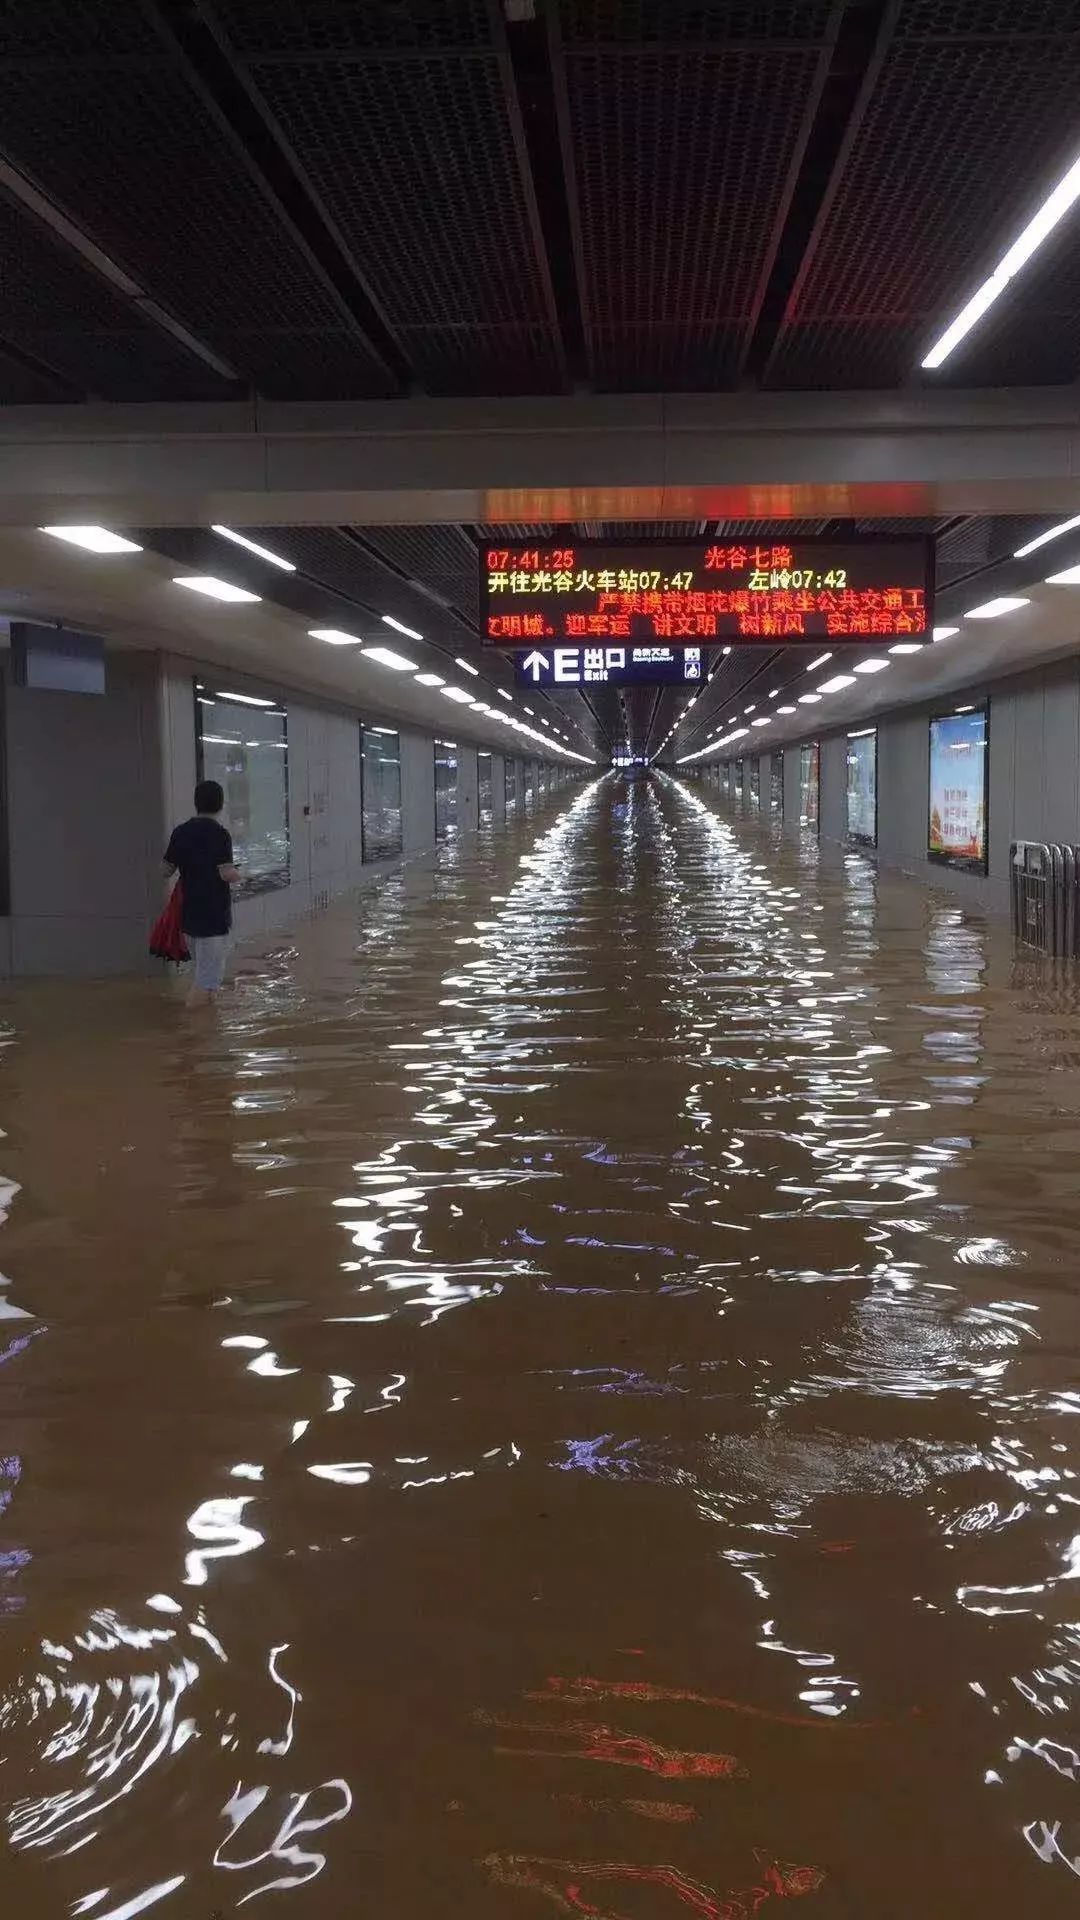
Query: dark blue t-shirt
{"type": "Point", "coordinates": [197, 850]}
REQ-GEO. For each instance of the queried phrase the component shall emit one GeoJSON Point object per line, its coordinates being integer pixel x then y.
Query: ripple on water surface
{"type": "Point", "coordinates": [563, 1396]}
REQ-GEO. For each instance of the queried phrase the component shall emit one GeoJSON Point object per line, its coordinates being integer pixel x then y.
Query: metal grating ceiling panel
{"type": "Point", "coordinates": [414, 160]}
{"type": "Point", "coordinates": [927, 200]}
{"type": "Point", "coordinates": [680, 161]}
{"type": "Point", "coordinates": [104, 120]}
{"type": "Point", "coordinates": [442, 559]}
{"type": "Point", "coordinates": [681, 152]}
{"type": "Point", "coordinates": [682, 21]}
{"type": "Point", "coordinates": [66, 316]}
{"type": "Point", "coordinates": [23, 385]}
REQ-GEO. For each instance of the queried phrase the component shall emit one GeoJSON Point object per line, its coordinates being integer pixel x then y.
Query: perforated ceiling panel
{"type": "Point", "coordinates": [100, 114]}
{"type": "Point", "coordinates": [972, 119]}
{"type": "Point", "coordinates": [681, 150]}
{"type": "Point", "coordinates": [443, 559]}
{"type": "Point", "coordinates": [406, 139]}
{"type": "Point", "coordinates": [69, 318]}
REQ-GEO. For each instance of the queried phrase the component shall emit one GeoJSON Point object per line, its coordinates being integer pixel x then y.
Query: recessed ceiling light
{"type": "Point", "coordinates": [214, 588]}
{"type": "Point", "coordinates": [765, 722]}
{"type": "Point", "coordinates": [466, 668]}
{"type": "Point", "coordinates": [916, 646]}
{"type": "Point", "coordinates": [400, 627]}
{"type": "Point", "coordinates": [335, 637]}
{"type": "Point", "coordinates": [430, 680]}
{"type": "Point", "coordinates": [944, 633]}
{"type": "Point", "coordinates": [876, 664]}
{"type": "Point", "coordinates": [809, 699]}
{"type": "Point", "coordinates": [838, 680]}
{"type": "Point", "coordinates": [503, 695]}
{"type": "Point", "coordinates": [459, 694]}
{"type": "Point", "coordinates": [531, 713]}
{"type": "Point", "coordinates": [774, 693]}
{"type": "Point", "coordinates": [1052, 533]}
{"type": "Point", "coordinates": [386, 657]}
{"type": "Point", "coordinates": [1069, 578]}
{"type": "Point", "coordinates": [1054, 208]}
{"type": "Point", "coordinates": [819, 662]}
{"type": "Point", "coordinates": [993, 609]}
{"type": "Point", "coordinates": [94, 539]}
{"type": "Point", "coordinates": [264, 553]}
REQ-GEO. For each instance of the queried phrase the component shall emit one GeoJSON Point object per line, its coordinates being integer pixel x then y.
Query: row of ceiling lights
{"type": "Point", "coordinates": [102, 540]}
{"type": "Point", "coordinates": [877, 663]}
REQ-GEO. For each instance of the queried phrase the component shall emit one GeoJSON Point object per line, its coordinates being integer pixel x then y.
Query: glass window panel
{"type": "Point", "coordinates": [776, 777]}
{"type": "Point", "coordinates": [862, 788]}
{"type": "Point", "coordinates": [808, 785]}
{"type": "Point", "coordinates": [245, 749]}
{"type": "Point", "coordinates": [484, 787]}
{"type": "Point", "coordinates": [510, 780]}
{"type": "Point", "coordinates": [380, 767]}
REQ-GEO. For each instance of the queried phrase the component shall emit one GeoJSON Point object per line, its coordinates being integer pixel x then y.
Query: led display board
{"type": "Point", "coordinates": [781, 590]}
{"type": "Point", "coordinates": [957, 834]}
{"type": "Point", "coordinates": [613, 666]}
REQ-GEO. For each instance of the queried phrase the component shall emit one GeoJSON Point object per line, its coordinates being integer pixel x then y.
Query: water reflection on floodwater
{"type": "Point", "coordinates": [564, 1396]}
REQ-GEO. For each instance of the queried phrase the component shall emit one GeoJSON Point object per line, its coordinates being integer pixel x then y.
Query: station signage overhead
{"type": "Point", "coordinates": [765, 592]}
{"type": "Point", "coordinates": [611, 666]}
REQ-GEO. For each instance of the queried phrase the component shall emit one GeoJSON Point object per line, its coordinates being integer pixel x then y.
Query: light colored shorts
{"type": "Point", "coordinates": [208, 957]}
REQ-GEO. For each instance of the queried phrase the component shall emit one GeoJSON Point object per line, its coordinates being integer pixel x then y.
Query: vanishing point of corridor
{"type": "Point", "coordinates": [562, 1396]}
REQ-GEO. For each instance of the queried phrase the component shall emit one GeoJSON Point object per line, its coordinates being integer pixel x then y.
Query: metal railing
{"type": "Point", "coordinates": [1044, 896]}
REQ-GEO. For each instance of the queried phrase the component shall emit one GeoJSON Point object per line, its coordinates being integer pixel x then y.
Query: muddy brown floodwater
{"type": "Point", "coordinates": [562, 1397]}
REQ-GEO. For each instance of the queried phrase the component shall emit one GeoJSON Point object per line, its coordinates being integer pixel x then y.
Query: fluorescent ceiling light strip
{"type": "Point", "coordinates": [940, 633]}
{"type": "Point", "coordinates": [993, 609]}
{"type": "Point", "coordinates": [819, 662]}
{"type": "Point", "coordinates": [809, 699]}
{"type": "Point", "coordinates": [1052, 533]}
{"type": "Point", "coordinates": [862, 733]}
{"type": "Point", "coordinates": [877, 664]}
{"type": "Point", "coordinates": [386, 657]}
{"type": "Point", "coordinates": [264, 553]}
{"type": "Point", "coordinates": [399, 627]}
{"type": "Point", "coordinates": [1053, 209]}
{"type": "Point", "coordinates": [503, 695]}
{"type": "Point", "coordinates": [909, 646]}
{"type": "Point", "coordinates": [466, 668]}
{"type": "Point", "coordinates": [459, 694]}
{"type": "Point", "coordinates": [93, 539]}
{"type": "Point", "coordinates": [838, 681]}
{"type": "Point", "coordinates": [335, 636]}
{"type": "Point", "coordinates": [785, 709]}
{"type": "Point", "coordinates": [430, 680]}
{"type": "Point", "coordinates": [214, 588]}
{"type": "Point", "coordinates": [1069, 578]}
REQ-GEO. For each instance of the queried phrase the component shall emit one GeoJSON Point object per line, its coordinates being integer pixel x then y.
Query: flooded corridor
{"type": "Point", "coordinates": [561, 1398]}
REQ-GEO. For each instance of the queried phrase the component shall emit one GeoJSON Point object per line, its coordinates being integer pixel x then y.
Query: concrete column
{"type": "Point", "coordinates": [833, 787]}
{"type": "Point", "coordinates": [468, 790]}
{"type": "Point", "coordinates": [86, 823]}
{"type": "Point", "coordinates": [498, 791]}
{"type": "Point", "coordinates": [417, 792]}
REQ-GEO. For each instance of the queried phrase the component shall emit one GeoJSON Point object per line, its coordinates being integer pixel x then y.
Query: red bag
{"type": "Point", "coordinates": [167, 940]}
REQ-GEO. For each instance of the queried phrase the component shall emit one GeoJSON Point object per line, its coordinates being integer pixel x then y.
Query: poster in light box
{"type": "Point", "coordinates": [957, 835]}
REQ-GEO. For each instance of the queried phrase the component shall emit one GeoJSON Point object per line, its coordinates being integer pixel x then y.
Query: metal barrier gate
{"type": "Point", "coordinates": [1043, 892]}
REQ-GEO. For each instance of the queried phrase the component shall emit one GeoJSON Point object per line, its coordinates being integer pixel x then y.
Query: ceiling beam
{"type": "Point", "coordinates": [194, 37]}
